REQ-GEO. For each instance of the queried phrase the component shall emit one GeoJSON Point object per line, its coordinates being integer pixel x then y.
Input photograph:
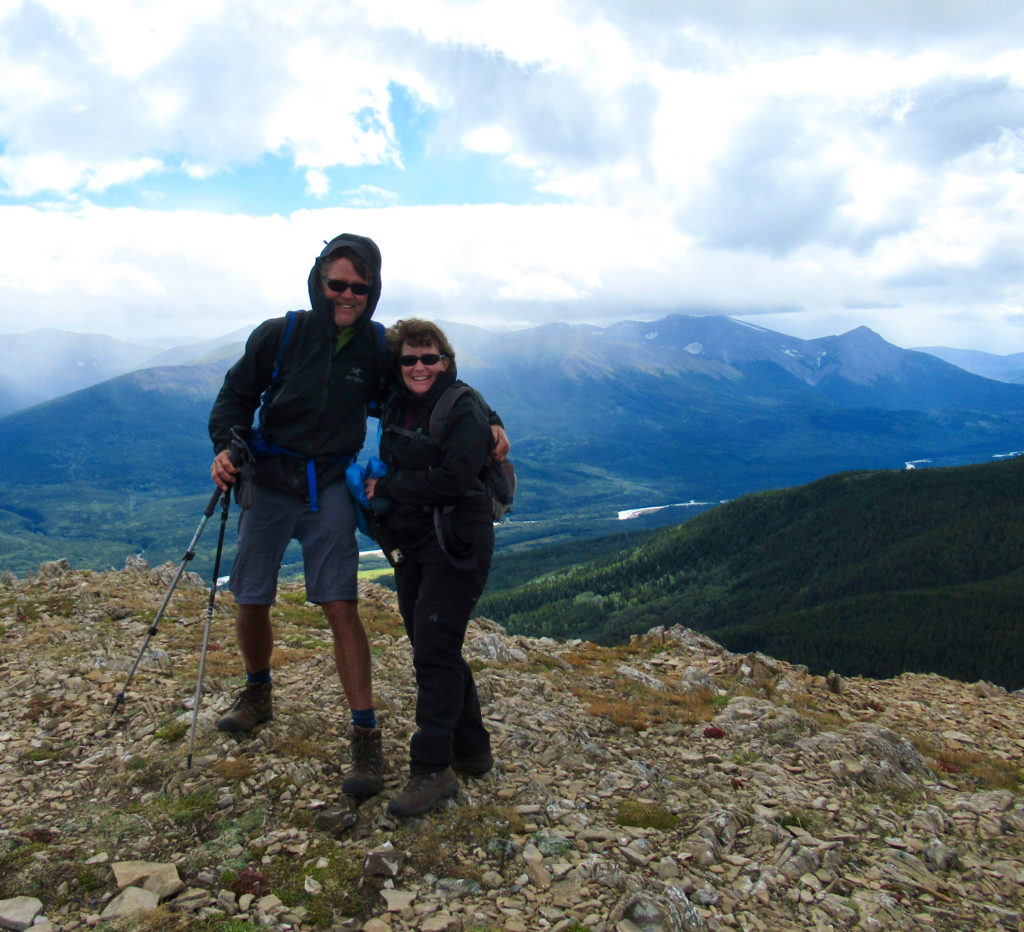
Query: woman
{"type": "Point", "coordinates": [437, 586]}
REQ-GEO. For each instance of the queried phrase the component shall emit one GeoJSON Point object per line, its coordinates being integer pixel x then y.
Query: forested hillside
{"type": "Point", "coordinates": [872, 573]}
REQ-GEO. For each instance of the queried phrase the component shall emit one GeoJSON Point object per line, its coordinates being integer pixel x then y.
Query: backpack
{"type": "Point", "coordinates": [499, 478]}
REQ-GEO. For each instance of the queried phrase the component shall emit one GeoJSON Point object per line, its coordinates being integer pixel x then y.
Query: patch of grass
{"type": "Point", "coordinates": [223, 662]}
{"type": "Point", "coordinates": [632, 705]}
{"type": "Point", "coordinates": [292, 609]}
{"type": "Point", "coordinates": [291, 596]}
{"type": "Point", "coordinates": [234, 768]}
{"type": "Point", "coordinates": [577, 660]}
{"type": "Point", "coordinates": [185, 810]}
{"type": "Point", "coordinates": [14, 864]}
{"type": "Point", "coordinates": [431, 845]}
{"type": "Point", "coordinates": [304, 642]}
{"type": "Point", "coordinates": [344, 887]}
{"type": "Point", "coordinates": [742, 757]}
{"type": "Point", "coordinates": [300, 747]}
{"type": "Point", "coordinates": [809, 707]}
{"type": "Point", "coordinates": [38, 868]}
{"type": "Point", "coordinates": [284, 655]}
{"type": "Point", "coordinates": [227, 833]}
{"type": "Point", "coordinates": [970, 769]}
{"type": "Point", "coordinates": [172, 733]}
{"type": "Point", "coordinates": [719, 701]}
{"type": "Point", "coordinates": [88, 878]}
{"type": "Point", "coordinates": [812, 822]}
{"type": "Point", "coordinates": [160, 919]}
{"type": "Point", "coordinates": [626, 713]}
{"type": "Point", "coordinates": [536, 663]}
{"type": "Point", "coordinates": [645, 815]}
{"type": "Point", "coordinates": [40, 754]}
{"type": "Point", "coordinates": [375, 574]}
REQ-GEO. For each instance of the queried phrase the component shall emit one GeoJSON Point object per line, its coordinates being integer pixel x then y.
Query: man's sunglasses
{"type": "Point", "coordinates": [341, 286]}
{"type": "Point", "coordinates": [428, 359]}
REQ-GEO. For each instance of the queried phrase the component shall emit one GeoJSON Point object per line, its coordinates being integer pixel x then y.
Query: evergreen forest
{"type": "Point", "coordinates": [864, 573]}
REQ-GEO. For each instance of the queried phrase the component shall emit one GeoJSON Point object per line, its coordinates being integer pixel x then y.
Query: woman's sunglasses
{"type": "Point", "coordinates": [341, 286]}
{"type": "Point", "coordinates": [428, 359]}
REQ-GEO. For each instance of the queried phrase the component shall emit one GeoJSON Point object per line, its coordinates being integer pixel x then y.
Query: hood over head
{"type": "Point", "coordinates": [367, 250]}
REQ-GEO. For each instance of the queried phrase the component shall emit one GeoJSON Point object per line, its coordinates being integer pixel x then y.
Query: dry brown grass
{"type": "Point", "coordinates": [970, 769]}
{"type": "Point", "coordinates": [634, 706]}
{"type": "Point", "coordinates": [283, 655]}
{"type": "Point", "coordinates": [234, 768]}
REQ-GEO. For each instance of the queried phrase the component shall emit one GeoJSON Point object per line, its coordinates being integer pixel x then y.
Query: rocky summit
{"type": "Point", "coordinates": [667, 784]}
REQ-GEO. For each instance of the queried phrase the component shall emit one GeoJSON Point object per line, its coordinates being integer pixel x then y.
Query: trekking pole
{"type": "Point", "coordinates": [189, 554]}
{"type": "Point", "coordinates": [225, 505]}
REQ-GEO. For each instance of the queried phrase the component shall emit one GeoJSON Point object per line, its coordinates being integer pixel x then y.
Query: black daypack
{"type": "Point", "coordinates": [499, 478]}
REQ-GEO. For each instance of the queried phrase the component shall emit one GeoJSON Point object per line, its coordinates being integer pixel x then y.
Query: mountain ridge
{"type": "Point", "coordinates": [664, 785]}
{"type": "Point", "coordinates": [598, 425]}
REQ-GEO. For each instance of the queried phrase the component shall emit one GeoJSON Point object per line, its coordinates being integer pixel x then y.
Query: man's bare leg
{"type": "Point", "coordinates": [254, 704]}
{"type": "Point", "coordinates": [351, 652]}
{"type": "Point", "coordinates": [255, 636]}
{"type": "Point", "coordinates": [352, 658]}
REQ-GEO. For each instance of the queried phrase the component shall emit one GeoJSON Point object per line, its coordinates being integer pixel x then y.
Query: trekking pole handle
{"type": "Point", "coordinates": [236, 453]}
{"type": "Point", "coordinates": [212, 506]}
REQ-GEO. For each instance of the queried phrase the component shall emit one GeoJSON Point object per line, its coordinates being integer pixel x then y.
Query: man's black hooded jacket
{"type": "Point", "coordinates": [318, 406]}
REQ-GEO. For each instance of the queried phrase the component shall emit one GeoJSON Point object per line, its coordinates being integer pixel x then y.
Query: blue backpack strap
{"type": "Point", "coordinates": [265, 397]}
{"type": "Point", "coordinates": [314, 499]}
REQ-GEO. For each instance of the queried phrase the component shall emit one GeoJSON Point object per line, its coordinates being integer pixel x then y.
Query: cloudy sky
{"type": "Point", "coordinates": [168, 171]}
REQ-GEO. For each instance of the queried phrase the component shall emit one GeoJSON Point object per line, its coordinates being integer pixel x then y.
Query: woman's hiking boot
{"type": "Point", "coordinates": [366, 778]}
{"type": "Point", "coordinates": [254, 705]}
{"type": "Point", "coordinates": [473, 765]}
{"type": "Point", "coordinates": [423, 792]}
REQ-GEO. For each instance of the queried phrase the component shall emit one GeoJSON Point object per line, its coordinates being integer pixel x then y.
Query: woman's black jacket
{"type": "Point", "coordinates": [423, 474]}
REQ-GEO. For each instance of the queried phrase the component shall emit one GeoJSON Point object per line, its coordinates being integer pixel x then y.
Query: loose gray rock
{"type": "Point", "coordinates": [19, 912]}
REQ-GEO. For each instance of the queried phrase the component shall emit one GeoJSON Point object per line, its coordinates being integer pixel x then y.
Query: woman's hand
{"type": "Point", "coordinates": [369, 486]}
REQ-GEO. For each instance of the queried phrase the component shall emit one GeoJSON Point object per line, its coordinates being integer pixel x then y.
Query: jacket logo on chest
{"type": "Point", "coordinates": [355, 374]}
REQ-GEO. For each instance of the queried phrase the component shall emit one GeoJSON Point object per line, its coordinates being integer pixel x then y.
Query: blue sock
{"type": "Point", "coordinates": [263, 676]}
{"type": "Point", "coordinates": [364, 718]}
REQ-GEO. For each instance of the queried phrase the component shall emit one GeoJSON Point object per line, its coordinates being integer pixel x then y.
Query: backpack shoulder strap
{"type": "Point", "coordinates": [275, 371]}
{"type": "Point", "coordinates": [443, 409]}
{"type": "Point", "coordinates": [374, 408]}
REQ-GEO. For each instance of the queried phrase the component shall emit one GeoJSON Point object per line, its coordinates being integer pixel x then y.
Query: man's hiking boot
{"type": "Point", "coordinates": [423, 792]}
{"type": "Point", "coordinates": [473, 765]}
{"type": "Point", "coordinates": [366, 778]}
{"type": "Point", "coordinates": [254, 705]}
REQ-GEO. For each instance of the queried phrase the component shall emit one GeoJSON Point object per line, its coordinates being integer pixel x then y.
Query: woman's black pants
{"type": "Point", "coordinates": [436, 601]}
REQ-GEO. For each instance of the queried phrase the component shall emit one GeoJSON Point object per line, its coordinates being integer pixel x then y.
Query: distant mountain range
{"type": "Point", "coordinates": [1003, 368]}
{"type": "Point", "coordinates": [602, 420]}
{"type": "Point", "coordinates": [44, 364]}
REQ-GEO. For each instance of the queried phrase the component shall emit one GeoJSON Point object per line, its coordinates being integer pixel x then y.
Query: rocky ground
{"type": "Point", "coordinates": [663, 785]}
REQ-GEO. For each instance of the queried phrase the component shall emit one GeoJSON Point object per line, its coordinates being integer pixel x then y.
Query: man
{"type": "Point", "coordinates": [313, 375]}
